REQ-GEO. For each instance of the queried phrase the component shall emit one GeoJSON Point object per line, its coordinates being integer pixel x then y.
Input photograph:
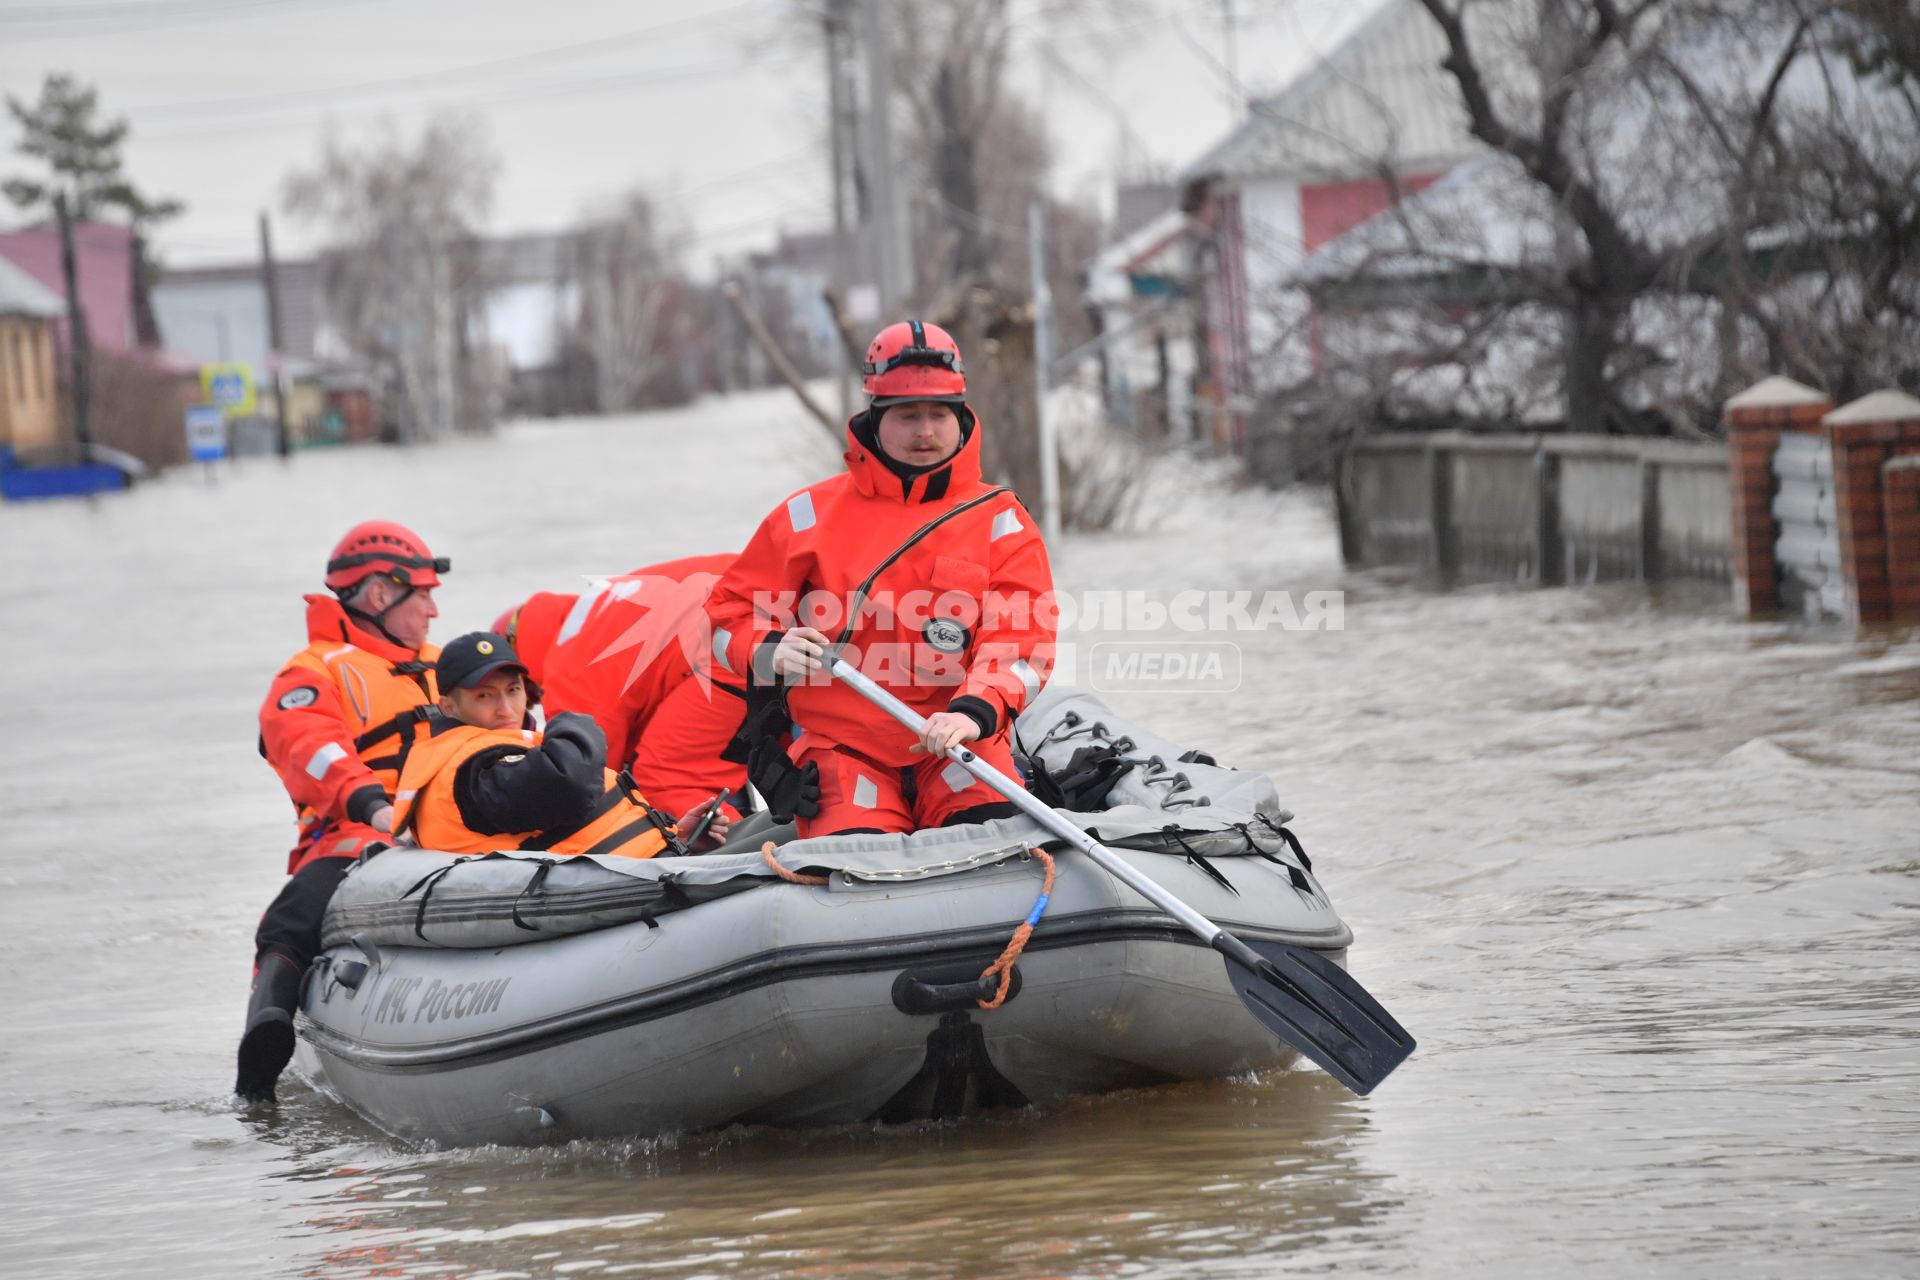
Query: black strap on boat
{"type": "Point", "coordinates": [534, 882]}
{"type": "Point", "coordinates": [1293, 841]}
{"type": "Point", "coordinates": [1172, 832]}
{"type": "Point", "coordinates": [425, 886]}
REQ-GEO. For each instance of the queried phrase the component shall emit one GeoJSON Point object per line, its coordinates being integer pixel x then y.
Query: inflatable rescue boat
{"type": "Point", "coordinates": [515, 997]}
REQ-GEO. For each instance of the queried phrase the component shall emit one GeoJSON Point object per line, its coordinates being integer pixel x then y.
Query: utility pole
{"type": "Point", "coordinates": [283, 442]}
{"type": "Point", "coordinates": [78, 351]}
{"type": "Point", "coordinates": [894, 274]}
{"type": "Point", "coordinates": [834, 19]}
{"type": "Point", "coordinates": [1042, 369]}
{"type": "Point", "coordinates": [1235, 100]}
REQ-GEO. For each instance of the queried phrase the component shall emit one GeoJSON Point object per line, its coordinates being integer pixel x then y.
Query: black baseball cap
{"type": "Point", "coordinates": [466, 661]}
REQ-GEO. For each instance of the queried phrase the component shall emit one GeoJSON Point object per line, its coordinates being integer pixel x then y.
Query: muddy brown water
{"type": "Point", "coordinates": [1643, 879]}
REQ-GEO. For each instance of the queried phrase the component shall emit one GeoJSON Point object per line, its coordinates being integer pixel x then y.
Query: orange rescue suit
{"type": "Point", "coordinates": [964, 615]}
{"type": "Point", "coordinates": [336, 725]}
{"type": "Point", "coordinates": [620, 822]}
{"type": "Point", "coordinates": [619, 649]}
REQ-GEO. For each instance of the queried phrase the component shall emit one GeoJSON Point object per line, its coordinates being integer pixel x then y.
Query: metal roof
{"type": "Point", "coordinates": [1380, 95]}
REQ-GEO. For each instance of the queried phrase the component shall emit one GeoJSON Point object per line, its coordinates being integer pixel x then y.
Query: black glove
{"type": "Point", "coordinates": [790, 790]}
{"type": "Point", "coordinates": [581, 733]}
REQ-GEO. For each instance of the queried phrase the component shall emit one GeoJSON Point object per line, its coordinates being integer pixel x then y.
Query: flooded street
{"type": "Point", "coordinates": [1644, 881]}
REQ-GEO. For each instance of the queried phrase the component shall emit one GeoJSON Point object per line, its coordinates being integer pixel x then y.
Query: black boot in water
{"type": "Point", "coordinates": [267, 1045]}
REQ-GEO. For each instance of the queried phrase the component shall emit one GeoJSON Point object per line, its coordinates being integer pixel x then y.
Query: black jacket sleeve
{"type": "Point", "coordinates": [508, 789]}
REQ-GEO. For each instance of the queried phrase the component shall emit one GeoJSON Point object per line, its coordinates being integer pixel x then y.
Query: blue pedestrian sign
{"type": "Point", "coordinates": [229, 386]}
{"type": "Point", "coordinates": [206, 432]}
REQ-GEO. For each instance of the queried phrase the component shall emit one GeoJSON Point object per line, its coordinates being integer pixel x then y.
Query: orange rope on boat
{"type": "Point", "coordinates": [1004, 965]}
{"type": "Point", "coordinates": [766, 851]}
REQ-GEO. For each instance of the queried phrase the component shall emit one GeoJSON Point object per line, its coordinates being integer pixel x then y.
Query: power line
{"type": "Point", "coordinates": [66, 23]}
{"type": "Point", "coordinates": [106, 12]}
{"type": "Point", "coordinates": [557, 53]}
{"type": "Point", "coordinates": [545, 89]}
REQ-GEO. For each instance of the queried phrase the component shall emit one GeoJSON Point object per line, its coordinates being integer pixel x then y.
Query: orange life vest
{"type": "Point", "coordinates": [385, 701]}
{"type": "Point", "coordinates": [620, 822]}
{"type": "Point", "coordinates": [376, 697]}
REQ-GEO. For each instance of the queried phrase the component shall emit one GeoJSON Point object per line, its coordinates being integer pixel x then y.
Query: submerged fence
{"type": "Point", "coordinates": [1546, 509]}
{"type": "Point", "coordinates": [1809, 508]}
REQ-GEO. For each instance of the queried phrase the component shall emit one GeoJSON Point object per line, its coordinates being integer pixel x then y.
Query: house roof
{"type": "Point", "coordinates": [1654, 166]}
{"type": "Point", "coordinates": [103, 254]}
{"type": "Point", "coordinates": [1380, 95]}
{"type": "Point", "coordinates": [22, 295]}
{"type": "Point", "coordinates": [237, 292]}
{"type": "Point", "coordinates": [1483, 212]}
{"type": "Point", "coordinates": [1153, 249]}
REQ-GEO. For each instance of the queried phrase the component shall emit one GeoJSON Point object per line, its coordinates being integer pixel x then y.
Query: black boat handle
{"type": "Point", "coordinates": [944, 990]}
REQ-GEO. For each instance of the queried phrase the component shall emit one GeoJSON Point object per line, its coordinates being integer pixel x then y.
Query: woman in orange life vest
{"type": "Point", "coordinates": [633, 652]}
{"type": "Point", "coordinates": [481, 780]}
{"type": "Point", "coordinates": [334, 727]}
{"type": "Point", "coordinates": [937, 586]}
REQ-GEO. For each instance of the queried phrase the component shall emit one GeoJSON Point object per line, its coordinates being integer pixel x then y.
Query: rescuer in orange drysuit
{"type": "Point", "coordinates": [936, 585]}
{"type": "Point", "coordinates": [335, 726]}
{"type": "Point", "coordinates": [480, 780]}
{"type": "Point", "coordinates": [623, 652]}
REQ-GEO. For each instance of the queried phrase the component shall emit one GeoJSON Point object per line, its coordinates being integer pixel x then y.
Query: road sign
{"type": "Point", "coordinates": [230, 387]}
{"type": "Point", "coordinates": [206, 432]}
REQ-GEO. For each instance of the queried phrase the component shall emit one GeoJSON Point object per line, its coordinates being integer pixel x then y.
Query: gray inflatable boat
{"type": "Point", "coordinates": [515, 997]}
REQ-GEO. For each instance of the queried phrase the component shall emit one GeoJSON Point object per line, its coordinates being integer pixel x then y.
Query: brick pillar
{"type": "Point", "coordinates": [1900, 484]}
{"type": "Point", "coordinates": [1755, 420]}
{"type": "Point", "coordinates": [1866, 435]}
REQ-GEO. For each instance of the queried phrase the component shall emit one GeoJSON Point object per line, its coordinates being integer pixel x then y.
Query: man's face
{"type": "Point", "coordinates": [919, 433]}
{"type": "Point", "coordinates": [408, 621]}
{"type": "Point", "coordinates": [497, 700]}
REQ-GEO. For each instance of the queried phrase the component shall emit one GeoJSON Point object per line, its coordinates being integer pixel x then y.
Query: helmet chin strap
{"type": "Point", "coordinates": [379, 620]}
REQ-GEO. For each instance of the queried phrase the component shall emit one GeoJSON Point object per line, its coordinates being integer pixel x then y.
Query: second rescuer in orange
{"type": "Point", "coordinates": [912, 568]}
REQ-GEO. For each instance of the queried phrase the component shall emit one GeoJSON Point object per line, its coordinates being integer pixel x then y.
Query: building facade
{"type": "Point", "coordinates": [29, 395]}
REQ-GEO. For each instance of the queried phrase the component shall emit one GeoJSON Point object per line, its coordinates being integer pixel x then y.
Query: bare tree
{"type": "Point", "coordinates": [634, 313]}
{"type": "Point", "coordinates": [1678, 196]}
{"type": "Point", "coordinates": [401, 273]}
{"type": "Point", "coordinates": [972, 157]}
{"type": "Point", "coordinates": [1829, 281]}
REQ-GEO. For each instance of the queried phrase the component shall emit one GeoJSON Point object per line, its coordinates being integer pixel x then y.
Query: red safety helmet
{"type": "Point", "coordinates": [914, 361]}
{"type": "Point", "coordinates": [381, 546]}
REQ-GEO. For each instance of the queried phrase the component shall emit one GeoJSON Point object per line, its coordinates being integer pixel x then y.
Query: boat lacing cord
{"type": "Point", "coordinates": [792, 877]}
{"type": "Point", "coordinates": [1001, 968]}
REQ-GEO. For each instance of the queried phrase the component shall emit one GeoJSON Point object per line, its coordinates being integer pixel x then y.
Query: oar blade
{"type": "Point", "coordinates": [1321, 1010]}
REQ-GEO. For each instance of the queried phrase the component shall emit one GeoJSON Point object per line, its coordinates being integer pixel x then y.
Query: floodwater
{"type": "Point", "coordinates": [1642, 879]}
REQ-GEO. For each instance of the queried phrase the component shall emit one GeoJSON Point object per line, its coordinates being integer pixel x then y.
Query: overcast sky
{"type": "Point", "coordinates": [703, 104]}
